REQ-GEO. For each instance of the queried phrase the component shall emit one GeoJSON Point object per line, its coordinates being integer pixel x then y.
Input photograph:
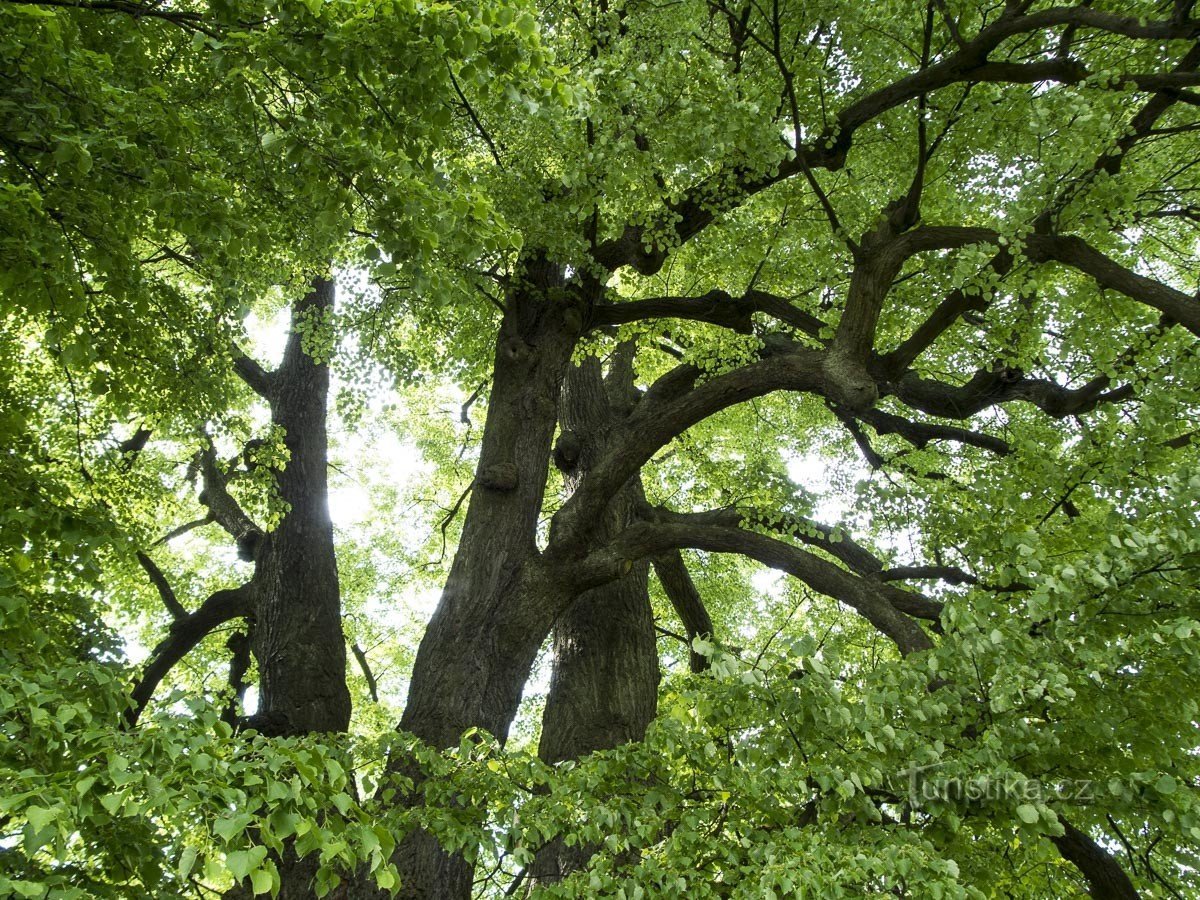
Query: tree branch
{"type": "Point", "coordinates": [869, 599]}
{"type": "Point", "coordinates": [190, 21]}
{"type": "Point", "coordinates": [672, 405]}
{"type": "Point", "coordinates": [1077, 253]}
{"type": "Point", "coordinates": [716, 307]}
{"type": "Point", "coordinates": [184, 529]}
{"type": "Point", "coordinates": [165, 591]}
{"type": "Point", "coordinates": [256, 377]}
{"type": "Point", "coordinates": [952, 307]}
{"type": "Point", "coordinates": [129, 449]}
{"type": "Point", "coordinates": [989, 387]}
{"type": "Point", "coordinates": [920, 434]}
{"type": "Point", "coordinates": [834, 541]}
{"type": "Point", "coordinates": [1105, 877]}
{"type": "Point", "coordinates": [1072, 251]}
{"type": "Point", "coordinates": [225, 510]}
{"type": "Point", "coordinates": [361, 656]}
{"type": "Point", "coordinates": [183, 636]}
{"type": "Point", "coordinates": [475, 120]}
{"type": "Point", "coordinates": [677, 584]}
{"type": "Point", "coordinates": [949, 574]}
{"type": "Point", "coordinates": [239, 645]}
{"type": "Point", "coordinates": [691, 214]}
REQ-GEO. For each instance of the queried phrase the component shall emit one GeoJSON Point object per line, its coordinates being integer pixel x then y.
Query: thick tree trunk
{"type": "Point", "coordinates": [604, 684]}
{"type": "Point", "coordinates": [298, 639]}
{"type": "Point", "coordinates": [497, 605]}
{"type": "Point", "coordinates": [603, 690]}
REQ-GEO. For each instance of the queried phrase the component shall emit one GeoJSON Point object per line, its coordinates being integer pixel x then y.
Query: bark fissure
{"type": "Point", "coordinates": [499, 602]}
{"type": "Point", "coordinates": [298, 640]}
{"type": "Point", "coordinates": [604, 681]}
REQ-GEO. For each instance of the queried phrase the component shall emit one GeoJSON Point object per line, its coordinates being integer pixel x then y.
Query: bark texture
{"type": "Point", "coordinates": [1105, 877]}
{"type": "Point", "coordinates": [604, 684]}
{"type": "Point", "coordinates": [297, 637]}
{"type": "Point", "coordinates": [498, 603]}
{"type": "Point", "coordinates": [298, 641]}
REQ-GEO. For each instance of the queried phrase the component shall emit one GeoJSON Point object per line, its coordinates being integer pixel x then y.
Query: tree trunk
{"type": "Point", "coordinates": [497, 605]}
{"type": "Point", "coordinates": [604, 685]}
{"type": "Point", "coordinates": [298, 639]}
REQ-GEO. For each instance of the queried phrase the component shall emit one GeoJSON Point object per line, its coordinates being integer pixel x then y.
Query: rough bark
{"type": "Point", "coordinates": [497, 605]}
{"type": "Point", "coordinates": [298, 641]}
{"type": "Point", "coordinates": [604, 683]}
{"type": "Point", "coordinates": [1105, 877]}
{"type": "Point", "coordinates": [297, 638]}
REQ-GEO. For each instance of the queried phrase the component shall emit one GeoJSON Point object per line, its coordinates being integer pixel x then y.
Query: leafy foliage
{"type": "Point", "coordinates": [911, 294]}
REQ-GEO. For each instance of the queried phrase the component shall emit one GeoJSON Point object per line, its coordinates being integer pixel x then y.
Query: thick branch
{"type": "Point", "coordinates": [1001, 385]}
{"type": "Point", "coordinates": [920, 434]}
{"type": "Point", "coordinates": [165, 591]}
{"type": "Point", "coordinates": [652, 538]}
{"type": "Point", "coordinates": [949, 574]}
{"type": "Point", "coordinates": [1077, 253]}
{"type": "Point", "coordinates": [183, 18]}
{"type": "Point", "coordinates": [672, 405]}
{"type": "Point", "coordinates": [834, 541]}
{"type": "Point", "coordinates": [239, 645]}
{"type": "Point", "coordinates": [953, 306]}
{"type": "Point", "coordinates": [677, 583]}
{"type": "Point", "coordinates": [185, 634]}
{"type": "Point", "coordinates": [256, 377]}
{"type": "Point", "coordinates": [225, 510]}
{"type": "Point", "coordinates": [875, 268]}
{"type": "Point", "coordinates": [129, 449]}
{"type": "Point", "coordinates": [1105, 877]}
{"type": "Point", "coordinates": [716, 307]}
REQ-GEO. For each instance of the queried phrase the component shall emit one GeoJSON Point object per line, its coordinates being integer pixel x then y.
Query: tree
{"type": "Point", "coordinates": [736, 262]}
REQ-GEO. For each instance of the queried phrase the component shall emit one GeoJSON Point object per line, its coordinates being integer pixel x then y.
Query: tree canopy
{"type": "Point", "coordinates": [716, 448]}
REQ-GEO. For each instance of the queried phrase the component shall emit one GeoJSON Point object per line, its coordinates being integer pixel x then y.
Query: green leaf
{"type": "Point", "coordinates": [526, 25]}
{"type": "Point", "coordinates": [230, 827]}
{"type": "Point", "coordinates": [187, 860]}
{"type": "Point", "coordinates": [39, 816]}
{"type": "Point", "coordinates": [241, 863]}
{"type": "Point", "coordinates": [262, 881]}
{"type": "Point", "coordinates": [1165, 784]}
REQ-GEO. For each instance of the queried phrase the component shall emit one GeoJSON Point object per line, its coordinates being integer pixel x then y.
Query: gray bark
{"type": "Point", "coordinates": [298, 641]}
{"type": "Point", "coordinates": [604, 683]}
{"type": "Point", "coordinates": [498, 604]}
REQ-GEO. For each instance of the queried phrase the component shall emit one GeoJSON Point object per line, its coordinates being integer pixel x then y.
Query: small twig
{"type": "Point", "coordinates": [483, 132]}
{"type": "Point", "coordinates": [445, 523]}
